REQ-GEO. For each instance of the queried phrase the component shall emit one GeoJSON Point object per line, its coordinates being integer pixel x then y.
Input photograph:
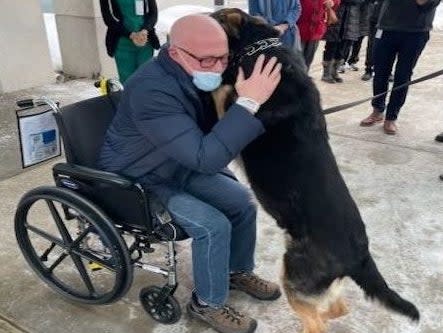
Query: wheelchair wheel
{"type": "Point", "coordinates": [167, 312]}
{"type": "Point", "coordinates": [81, 256]}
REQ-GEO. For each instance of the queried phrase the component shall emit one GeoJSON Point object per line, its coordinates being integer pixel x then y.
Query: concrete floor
{"type": "Point", "coordinates": [394, 180]}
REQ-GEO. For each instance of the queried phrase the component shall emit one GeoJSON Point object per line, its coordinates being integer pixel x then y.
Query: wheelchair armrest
{"type": "Point", "coordinates": [88, 174]}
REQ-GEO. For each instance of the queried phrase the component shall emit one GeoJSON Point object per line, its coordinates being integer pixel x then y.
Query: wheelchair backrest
{"type": "Point", "coordinates": [83, 126]}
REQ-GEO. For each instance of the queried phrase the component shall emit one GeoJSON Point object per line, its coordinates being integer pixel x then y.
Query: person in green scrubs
{"type": "Point", "coordinates": [131, 36]}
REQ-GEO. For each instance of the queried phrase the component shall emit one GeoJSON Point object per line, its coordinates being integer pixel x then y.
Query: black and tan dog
{"type": "Point", "coordinates": [295, 177]}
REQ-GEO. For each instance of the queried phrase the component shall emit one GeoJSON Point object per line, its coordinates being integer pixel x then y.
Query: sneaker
{"type": "Point", "coordinates": [255, 286]}
{"type": "Point", "coordinates": [223, 320]}
{"type": "Point", "coordinates": [341, 69]}
{"type": "Point", "coordinates": [353, 67]}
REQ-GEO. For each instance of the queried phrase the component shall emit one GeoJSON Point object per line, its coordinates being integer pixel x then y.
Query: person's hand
{"type": "Point", "coordinates": [144, 35]}
{"type": "Point", "coordinates": [262, 82]}
{"type": "Point", "coordinates": [138, 38]}
{"type": "Point", "coordinates": [328, 3]}
{"type": "Point", "coordinates": [281, 28]}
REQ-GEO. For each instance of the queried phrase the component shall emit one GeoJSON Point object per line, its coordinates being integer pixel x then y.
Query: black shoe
{"type": "Point", "coordinates": [366, 76]}
{"type": "Point", "coordinates": [439, 137]}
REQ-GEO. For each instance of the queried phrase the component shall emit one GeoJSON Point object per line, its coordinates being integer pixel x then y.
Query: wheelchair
{"type": "Point", "coordinates": [85, 235]}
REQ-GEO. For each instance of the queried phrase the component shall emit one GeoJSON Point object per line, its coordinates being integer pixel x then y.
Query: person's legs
{"type": "Point", "coordinates": [125, 59]}
{"type": "Point", "coordinates": [354, 58]}
{"type": "Point", "coordinates": [328, 61]}
{"type": "Point", "coordinates": [210, 231]}
{"type": "Point", "coordinates": [411, 46]}
{"type": "Point", "coordinates": [369, 63]}
{"type": "Point", "coordinates": [339, 56]}
{"type": "Point", "coordinates": [385, 51]}
{"type": "Point", "coordinates": [235, 202]}
{"type": "Point", "coordinates": [309, 48]}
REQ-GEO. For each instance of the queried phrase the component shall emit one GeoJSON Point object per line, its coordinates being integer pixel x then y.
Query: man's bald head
{"type": "Point", "coordinates": [199, 34]}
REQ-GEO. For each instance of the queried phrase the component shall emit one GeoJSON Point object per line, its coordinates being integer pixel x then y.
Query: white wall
{"type": "Point", "coordinates": [24, 53]}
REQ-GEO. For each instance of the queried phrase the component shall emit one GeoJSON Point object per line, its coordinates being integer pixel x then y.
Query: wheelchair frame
{"type": "Point", "coordinates": [71, 180]}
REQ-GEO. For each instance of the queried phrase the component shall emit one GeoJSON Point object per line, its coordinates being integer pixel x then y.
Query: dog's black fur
{"type": "Point", "coordinates": [295, 177]}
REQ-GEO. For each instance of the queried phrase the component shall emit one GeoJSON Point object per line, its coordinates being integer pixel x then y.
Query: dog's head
{"type": "Point", "coordinates": [242, 28]}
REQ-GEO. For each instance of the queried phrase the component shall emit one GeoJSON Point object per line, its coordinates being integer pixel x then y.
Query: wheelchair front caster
{"type": "Point", "coordinates": [165, 312]}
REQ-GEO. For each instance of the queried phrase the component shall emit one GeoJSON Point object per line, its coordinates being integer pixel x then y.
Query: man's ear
{"type": "Point", "coordinates": [173, 53]}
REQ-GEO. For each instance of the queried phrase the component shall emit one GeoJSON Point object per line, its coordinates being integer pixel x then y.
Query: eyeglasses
{"type": "Point", "coordinates": [207, 62]}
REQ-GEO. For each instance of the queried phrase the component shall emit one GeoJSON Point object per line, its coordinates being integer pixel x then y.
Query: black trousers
{"type": "Point", "coordinates": [308, 49]}
{"type": "Point", "coordinates": [336, 50]}
{"type": "Point", "coordinates": [352, 53]}
{"type": "Point", "coordinates": [369, 62]}
{"type": "Point", "coordinates": [406, 47]}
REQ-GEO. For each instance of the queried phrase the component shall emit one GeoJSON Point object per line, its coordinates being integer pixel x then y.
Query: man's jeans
{"type": "Point", "coordinates": [406, 47]}
{"type": "Point", "coordinates": [218, 213]}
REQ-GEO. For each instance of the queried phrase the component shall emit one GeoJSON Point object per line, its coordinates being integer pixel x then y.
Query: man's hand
{"type": "Point", "coordinates": [262, 82]}
{"type": "Point", "coordinates": [421, 2]}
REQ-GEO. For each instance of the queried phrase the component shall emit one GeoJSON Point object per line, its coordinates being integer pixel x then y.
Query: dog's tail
{"type": "Point", "coordinates": [374, 285]}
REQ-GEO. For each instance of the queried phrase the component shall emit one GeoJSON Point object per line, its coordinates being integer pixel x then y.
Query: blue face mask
{"type": "Point", "coordinates": [207, 81]}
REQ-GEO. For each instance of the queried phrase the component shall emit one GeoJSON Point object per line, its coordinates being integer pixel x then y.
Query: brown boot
{"type": "Point", "coordinates": [223, 320]}
{"type": "Point", "coordinates": [255, 286]}
{"type": "Point", "coordinates": [389, 127]}
{"type": "Point", "coordinates": [374, 118]}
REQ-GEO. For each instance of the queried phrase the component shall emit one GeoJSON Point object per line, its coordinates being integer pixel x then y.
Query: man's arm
{"type": "Point", "coordinates": [162, 119]}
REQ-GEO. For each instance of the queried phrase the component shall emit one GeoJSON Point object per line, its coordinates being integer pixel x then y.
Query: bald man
{"type": "Point", "coordinates": [165, 137]}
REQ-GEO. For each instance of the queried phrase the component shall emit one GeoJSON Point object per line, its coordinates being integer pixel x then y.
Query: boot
{"type": "Point", "coordinates": [334, 73]}
{"type": "Point", "coordinates": [327, 70]}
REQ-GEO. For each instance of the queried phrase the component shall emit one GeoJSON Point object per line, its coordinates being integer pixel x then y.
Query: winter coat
{"type": "Point", "coordinates": [278, 12]}
{"type": "Point", "coordinates": [157, 137]}
{"type": "Point", "coordinates": [364, 17]}
{"type": "Point", "coordinates": [312, 22]}
{"type": "Point", "coordinates": [348, 25]}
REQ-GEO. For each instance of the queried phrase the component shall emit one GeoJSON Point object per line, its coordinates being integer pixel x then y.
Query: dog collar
{"type": "Point", "coordinates": [261, 45]}
{"type": "Point", "coordinates": [256, 47]}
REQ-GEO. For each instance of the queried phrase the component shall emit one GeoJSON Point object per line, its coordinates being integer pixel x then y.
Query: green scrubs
{"type": "Point", "coordinates": [128, 56]}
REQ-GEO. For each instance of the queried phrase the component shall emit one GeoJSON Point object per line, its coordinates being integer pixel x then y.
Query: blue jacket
{"type": "Point", "coordinates": [277, 12]}
{"type": "Point", "coordinates": [154, 137]}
